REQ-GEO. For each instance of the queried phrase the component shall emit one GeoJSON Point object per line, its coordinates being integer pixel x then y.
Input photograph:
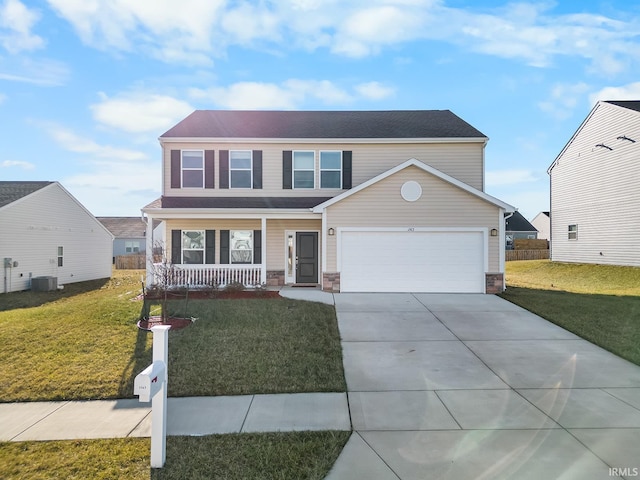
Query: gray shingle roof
{"type": "Point", "coordinates": [323, 124]}
{"type": "Point", "coordinates": [630, 104]}
{"type": "Point", "coordinates": [238, 202]}
{"type": "Point", "coordinates": [517, 223]}
{"type": "Point", "coordinates": [12, 191]}
{"type": "Point", "coordinates": [124, 227]}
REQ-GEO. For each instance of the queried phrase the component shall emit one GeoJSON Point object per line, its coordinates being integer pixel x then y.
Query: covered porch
{"type": "Point", "coordinates": [214, 250]}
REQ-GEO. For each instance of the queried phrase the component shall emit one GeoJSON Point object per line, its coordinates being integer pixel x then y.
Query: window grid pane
{"type": "Point", "coordinates": [241, 246]}
{"type": "Point", "coordinates": [304, 169]}
{"type": "Point", "coordinates": [240, 169]}
{"type": "Point", "coordinates": [193, 247]}
{"type": "Point", "coordinates": [330, 179]}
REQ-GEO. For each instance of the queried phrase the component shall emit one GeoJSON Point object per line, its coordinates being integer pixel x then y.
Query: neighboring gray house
{"type": "Point", "coordinates": [542, 223]}
{"type": "Point", "coordinates": [352, 201]}
{"type": "Point", "coordinates": [518, 227]}
{"type": "Point", "coordinates": [595, 193]}
{"type": "Point", "coordinates": [129, 234]}
{"type": "Point", "coordinates": [46, 232]}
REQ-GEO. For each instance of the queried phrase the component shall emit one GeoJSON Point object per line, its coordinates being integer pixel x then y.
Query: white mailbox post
{"type": "Point", "coordinates": [151, 384]}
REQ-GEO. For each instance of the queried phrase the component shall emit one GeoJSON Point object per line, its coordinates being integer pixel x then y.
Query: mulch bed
{"type": "Point", "coordinates": [205, 295]}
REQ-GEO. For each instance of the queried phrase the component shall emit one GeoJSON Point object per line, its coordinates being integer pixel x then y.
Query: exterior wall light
{"type": "Point", "coordinates": [494, 232]}
{"type": "Point", "coordinates": [331, 231]}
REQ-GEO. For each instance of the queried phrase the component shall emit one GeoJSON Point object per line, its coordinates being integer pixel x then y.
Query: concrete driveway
{"type": "Point", "coordinates": [474, 387]}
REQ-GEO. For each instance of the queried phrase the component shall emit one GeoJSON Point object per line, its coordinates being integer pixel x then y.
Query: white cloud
{"type": "Point", "coordinates": [630, 91]}
{"type": "Point", "coordinates": [17, 163]}
{"type": "Point", "coordinates": [564, 99]}
{"type": "Point", "coordinates": [72, 142]}
{"type": "Point", "coordinates": [288, 95]}
{"type": "Point", "coordinates": [168, 31]}
{"type": "Point", "coordinates": [41, 72]}
{"type": "Point", "coordinates": [374, 90]}
{"type": "Point", "coordinates": [16, 23]}
{"type": "Point", "coordinates": [197, 31]}
{"type": "Point", "coordinates": [140, 112]}
{"type": "Point", "coordinates": [509, 177]}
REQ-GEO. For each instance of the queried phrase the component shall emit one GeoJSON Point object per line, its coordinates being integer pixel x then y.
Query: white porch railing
{"type": "Point", "coordinates": [207, 275]}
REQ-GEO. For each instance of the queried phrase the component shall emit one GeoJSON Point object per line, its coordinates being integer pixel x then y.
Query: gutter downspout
{"type": "Point", "coordinates": [503, 228]}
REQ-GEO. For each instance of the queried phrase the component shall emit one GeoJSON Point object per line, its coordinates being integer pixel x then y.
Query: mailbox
{"type": "Point", "coordinates": [148, 382]}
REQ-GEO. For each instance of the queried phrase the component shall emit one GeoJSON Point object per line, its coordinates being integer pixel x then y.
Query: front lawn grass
{"type": "Point", "coordinates": [282, 456]}
{"type": "Point", "coordinates": [596, 302]}
{"type": "Point", "coordinates": [85, 345]}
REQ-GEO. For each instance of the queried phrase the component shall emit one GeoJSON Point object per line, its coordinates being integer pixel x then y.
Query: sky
{"type": "Point", "coordinates": [88, 86]}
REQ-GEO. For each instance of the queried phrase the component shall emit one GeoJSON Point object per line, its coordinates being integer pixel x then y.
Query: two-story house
{"type": "Point", "coordinates": [354, 201]}
{"type": "Point", "coordinates": [595, 197]}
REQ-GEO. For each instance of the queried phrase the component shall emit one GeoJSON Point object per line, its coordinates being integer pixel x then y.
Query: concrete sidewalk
{"type": "Point", "coordinates": [185, 416]}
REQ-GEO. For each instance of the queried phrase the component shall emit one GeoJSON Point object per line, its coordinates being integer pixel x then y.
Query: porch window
{"type": "Point", "coordinates": [240, 169]}
{"type": "Point", "coordinates": [193, 168]}
{"type": "Point", "coordinates": [241, 246]}
{"type": "Point", "coordinates": [330, 169]}
{"type": "Point", "coordinates": [573, 232]}
{"type": "Point", "coordinates": [304, 169]}
{"type": "Point", "coordinates": [193, 246]}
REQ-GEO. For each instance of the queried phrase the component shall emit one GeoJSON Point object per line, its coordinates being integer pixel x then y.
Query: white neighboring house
{"type": "Point", "coordinates": [542, 222]}
{"type": "Point", "coordinates": [46, 232]}
{"type": "Point", "coordinates": [595, 196]}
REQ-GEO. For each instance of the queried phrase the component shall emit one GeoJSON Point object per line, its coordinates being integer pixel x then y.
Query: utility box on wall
{"type": "Point", "coordinates": [44, 284]}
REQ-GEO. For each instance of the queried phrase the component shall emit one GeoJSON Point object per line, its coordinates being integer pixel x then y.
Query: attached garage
{"type": "Point", "coordinates": [414, 260]}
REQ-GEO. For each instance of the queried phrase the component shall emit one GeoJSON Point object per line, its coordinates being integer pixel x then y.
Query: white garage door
{"type": "Point", "coordinates": [418, 261]}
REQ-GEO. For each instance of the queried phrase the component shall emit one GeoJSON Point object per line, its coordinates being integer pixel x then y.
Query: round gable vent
{"type": "Point", "coordinates": [411, 191]}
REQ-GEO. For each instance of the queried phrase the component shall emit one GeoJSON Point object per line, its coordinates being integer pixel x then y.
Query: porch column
{"type": "Point", "coordinates": [263, 267]}
{"type": "Point", "coordinates": [149, 251]}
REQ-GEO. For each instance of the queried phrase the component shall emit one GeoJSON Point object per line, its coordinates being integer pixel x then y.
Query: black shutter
{"type": "Point", "coordinates": [346, 169]}
{"type": "Point", "coordinates": [257, 169]}
{"type": "Point", "coordinates": [287, 169]}
{"type": "Point", "coordinates": [210, 247]}
{"type": "Point", "coordinates": [209, 169]}
{"type": "Point", "coordinates": [176, 247]}
{"type": "Point", "coordinates": [224, 168]}
{"type": "Point", "coordinates": [257, 246]}
{"type": "Point", "coordinates": [224, 247]}
{"type": "Point", "coordinates": [175, 169]}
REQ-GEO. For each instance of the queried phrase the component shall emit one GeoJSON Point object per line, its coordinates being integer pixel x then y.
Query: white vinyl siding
{"type": "Point", "coordinates": [597, 189]}
{"type": "Point", "coordinates": [464, 161]}
{"type": "Point", "coordinates": [33, 229]}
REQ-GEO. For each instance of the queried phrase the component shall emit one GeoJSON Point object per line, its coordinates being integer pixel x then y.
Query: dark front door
{"type": "Point", "coordinates": [307, 257]}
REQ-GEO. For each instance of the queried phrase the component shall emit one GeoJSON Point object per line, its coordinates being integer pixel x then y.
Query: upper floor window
{"type": "Point", "coordinates": [240, 169]}
{"type": "Point", "coordinates": [304, 169]}
{"type": "Point", "coordinates": [331, 169]}
{"type": "Point", "coordinates": [192, 168]}
{"type": "Point", "coordinates": [573, 232]}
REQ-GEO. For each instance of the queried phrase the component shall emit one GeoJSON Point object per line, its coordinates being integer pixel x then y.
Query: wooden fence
{"type": "Point", "coordinates": [131, 262]}
{"type": "Point", "coordinates": [512, 255]}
